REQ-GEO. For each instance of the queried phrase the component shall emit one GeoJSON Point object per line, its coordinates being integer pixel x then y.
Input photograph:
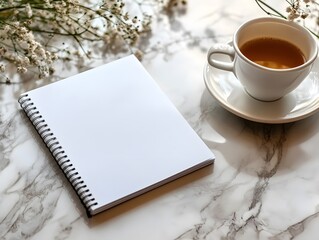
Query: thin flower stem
{"type": "Point", "coordinates": [290, 3]}
{"type": "Point", "coordinates": [277, 14]}
{"type": "Point", "coordinates": [312, 32]}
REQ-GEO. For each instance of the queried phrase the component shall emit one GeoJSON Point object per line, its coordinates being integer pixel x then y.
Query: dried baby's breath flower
{"type": "Point", "coordinates": [2, 68]}
{"type": "Point", "coordinates": [174, 5]}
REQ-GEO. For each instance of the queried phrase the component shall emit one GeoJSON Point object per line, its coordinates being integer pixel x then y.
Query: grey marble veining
{"type": "Point", "coordinates": [263, 185]}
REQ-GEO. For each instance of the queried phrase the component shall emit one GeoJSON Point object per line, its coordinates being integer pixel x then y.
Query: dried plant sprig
{"type": "Point", "coordinates": [27, 29]}
{"type": "Point", "coordinates": [305, 12]}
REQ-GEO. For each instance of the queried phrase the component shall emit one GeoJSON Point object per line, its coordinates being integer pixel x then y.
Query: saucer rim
{"type": "Point", "coordinates": [248, 116]}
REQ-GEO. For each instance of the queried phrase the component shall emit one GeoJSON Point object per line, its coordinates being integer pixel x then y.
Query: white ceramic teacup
{"type": "Point", "coordinates": [262, 83]}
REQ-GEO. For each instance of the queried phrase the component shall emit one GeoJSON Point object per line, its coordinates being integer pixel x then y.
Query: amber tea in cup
{"type": "Point", "coordinates": [273, 53]}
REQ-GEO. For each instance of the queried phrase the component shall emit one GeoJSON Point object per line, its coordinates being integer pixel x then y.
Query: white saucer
{"type": "Point", "coordinates": [299, 104]}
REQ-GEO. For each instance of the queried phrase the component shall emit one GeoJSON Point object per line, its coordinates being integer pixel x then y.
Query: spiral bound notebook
{"type": "Point", "coordinates": [114, 133]}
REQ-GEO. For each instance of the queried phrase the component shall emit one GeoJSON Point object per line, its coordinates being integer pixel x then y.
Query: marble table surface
{"type": "Point", "coordinates": [263, 184]}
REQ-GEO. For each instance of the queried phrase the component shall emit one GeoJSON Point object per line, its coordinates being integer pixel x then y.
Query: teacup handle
{"type": "Point", "coordinates": [221, 49]}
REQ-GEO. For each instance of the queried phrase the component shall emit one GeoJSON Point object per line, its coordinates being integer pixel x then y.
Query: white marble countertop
{"type": "Point", "coordinates": [263, 185]}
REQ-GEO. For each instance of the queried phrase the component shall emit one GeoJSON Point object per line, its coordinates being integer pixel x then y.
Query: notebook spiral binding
{"type": "Point", "coordinates": [57, 151]}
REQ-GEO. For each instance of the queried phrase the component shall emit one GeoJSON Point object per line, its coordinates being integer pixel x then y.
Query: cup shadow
{"type": "Point", "coordinates": [252, 147]}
